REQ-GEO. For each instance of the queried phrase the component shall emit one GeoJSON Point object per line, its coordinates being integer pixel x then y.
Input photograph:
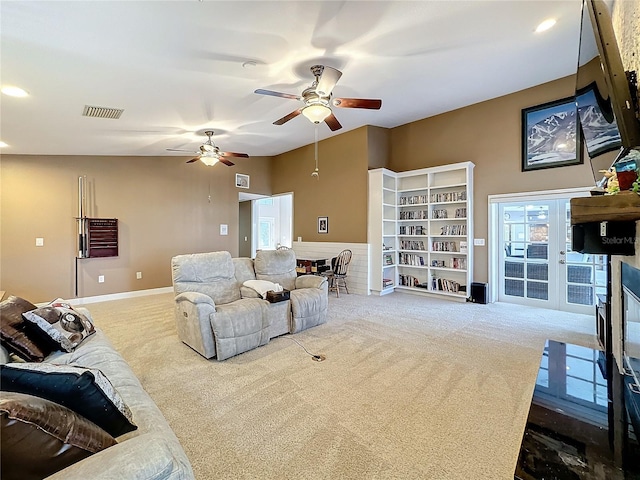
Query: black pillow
{"type": "Point", "coordinates": [15, 334]}
{"type": "Point", "coordinates": [86, 391]}
{"type": "Point", "coordinates": [40, 437]}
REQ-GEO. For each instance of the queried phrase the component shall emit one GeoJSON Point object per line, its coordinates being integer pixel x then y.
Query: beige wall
{"type": "Point", "coordinates": [340, 193]}
{"type": "Point", "coordinates": [162, 206]}
{"type": "Point", "coordinates": [489, 135]}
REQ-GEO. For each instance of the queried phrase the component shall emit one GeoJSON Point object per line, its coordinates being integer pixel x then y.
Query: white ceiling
{"type": "Point", "coordinates": [175, 67]}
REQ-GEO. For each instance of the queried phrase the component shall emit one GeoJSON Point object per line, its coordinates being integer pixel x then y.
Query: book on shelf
{"type": "Point", "coordinates": [388, 259]}
{"type": "Point", "coordinates": [463, 247]}
{"type": "Point", "coordinates": [387, 282]}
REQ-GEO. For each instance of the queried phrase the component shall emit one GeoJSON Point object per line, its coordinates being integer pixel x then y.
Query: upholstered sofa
{"type": "Point", "coordinates": [218, 315]}
{"type": "Point", "coordinates": [150, 451]}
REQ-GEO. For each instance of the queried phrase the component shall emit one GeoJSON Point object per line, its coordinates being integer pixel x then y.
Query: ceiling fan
{"type": "Point", "coordinates": [317, 99]}
{"type": "Point", "coordinates": [210, 154]}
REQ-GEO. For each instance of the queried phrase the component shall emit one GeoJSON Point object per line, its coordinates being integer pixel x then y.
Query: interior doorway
{"type": "Point", "coordinates": [265, 223]}
{"type": "Point", "coordinates": [532, 257]}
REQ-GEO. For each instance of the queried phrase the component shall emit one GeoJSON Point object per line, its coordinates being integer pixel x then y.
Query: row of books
{"type": "Point", "coordinates": [411, 281]}
{"type": "Point", "coordinates": [444, 247]}
{"type": "Point", "coordinates": [455, 262]}
{"type": "Point", "coordinates": [461, 212]}
{"type": "Point", "coordinates": [414, 200]}
{"type": "Point", "coordinates": [411, 244]}
{"type": "Point", "coordinates": [439, 213]}
{"type": "Point", "coordinates": [445, 285]}
{"type": "Point", "coordinates": [387, 282]}
{"type": "Point", "coordinates": [410, 259]}
{"type": "Point", "coordinates": [453, 230]}
{"type": "Point", "coordinates": [413, 230]}
{"type": "Point", "coordinates": [414, 215]}
{"type": "Point", "coordinates": [449, 196]}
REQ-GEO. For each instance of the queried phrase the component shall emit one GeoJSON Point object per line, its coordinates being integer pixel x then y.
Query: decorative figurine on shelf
{"type": "Point", "coordinates": [612, 187]}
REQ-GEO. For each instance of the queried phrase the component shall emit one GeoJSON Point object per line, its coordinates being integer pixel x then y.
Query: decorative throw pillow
{"type": "Point", "coordinates": [263, 286]}
{"type": "Point", "coordinates": [86, 391]}
{"type": "Point", "coordinates": [40, 437]}
{"type": "Point", "coordinates": [59, 322]}
{"type": "Point", "coordinates": [15, 334]}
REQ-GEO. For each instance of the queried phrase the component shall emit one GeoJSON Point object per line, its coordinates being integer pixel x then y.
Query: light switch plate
{"type": "Point", "coordinates": [478, 242]}
{"type": "Point", "coordinates": [39, 242]}
{"type": "Point", "coordinates": [224, 229]}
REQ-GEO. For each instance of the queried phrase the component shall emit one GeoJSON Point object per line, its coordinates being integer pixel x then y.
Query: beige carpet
{"type": "Point", "coordinates": [411, 388]}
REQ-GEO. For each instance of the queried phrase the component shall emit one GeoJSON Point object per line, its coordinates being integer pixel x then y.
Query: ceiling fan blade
{"type": "Point", "coordinates": [288, 117]}
{"type": "Point", "coordinates": [233, 154]}
{"type": "Point", "coordinates": [226, 162]}
{"type": "Point", "coordinates": [277, 94]}
{"type": "Point", "coordinates": [357, 103]}
{"type": "Point", "coordinates": [333, 122]}
{"type": "Point", "coordinates": [193, 160]}
{"type": "Point", "coordinates": [179, 150]}
{"type": "Point", "coordinates": [328, 80]}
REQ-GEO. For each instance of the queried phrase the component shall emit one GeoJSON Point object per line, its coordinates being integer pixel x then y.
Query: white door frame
{"type": "Point", "coordinates": [495, 223]}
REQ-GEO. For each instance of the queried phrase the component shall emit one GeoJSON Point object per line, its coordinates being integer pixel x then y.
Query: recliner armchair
{"type": "Point", "coordinates": [217, 316]}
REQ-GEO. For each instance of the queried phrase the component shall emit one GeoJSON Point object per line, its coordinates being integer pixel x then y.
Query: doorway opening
{"type": "Point", "coordinates": [266, 223]}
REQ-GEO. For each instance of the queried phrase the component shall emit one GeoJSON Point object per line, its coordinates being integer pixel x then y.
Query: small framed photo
{"type": "Point", "coordinates": [551, 135]}
{"type": "Point", "coordinates": [323, 224]}
{"type": "Point", "coordinates": [242, 180]}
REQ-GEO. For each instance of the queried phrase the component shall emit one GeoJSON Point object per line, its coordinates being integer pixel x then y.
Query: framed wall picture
{"type": "Point", "coordinates": [242, 180]}
{"type": "Point", "coordinates": [551, 135]}
{"type": "Point", "coordinates": [323, 224]}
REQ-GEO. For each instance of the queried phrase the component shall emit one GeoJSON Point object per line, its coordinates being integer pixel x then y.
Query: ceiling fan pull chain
{"type": "Point", "coordinates": [315, 173]}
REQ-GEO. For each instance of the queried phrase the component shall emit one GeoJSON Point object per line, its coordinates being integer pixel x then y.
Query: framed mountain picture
{"type": "Point", "coordinates": [551, 135]}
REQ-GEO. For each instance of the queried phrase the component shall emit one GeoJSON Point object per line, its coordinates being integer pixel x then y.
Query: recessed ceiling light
{"type": "Point", "coordinates": [2, 144]}
{"type": "Point", "coordinates": [14, 91]}
{"type": "Point", "coordinates": [546, 25]}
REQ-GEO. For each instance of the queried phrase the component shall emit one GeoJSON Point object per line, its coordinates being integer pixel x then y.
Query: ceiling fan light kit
{"type": "Point", "coordinates": [317, 112]}
{"type": "Point", "coordinates": [210, 154]}
{"type": "Point", "coordinates": [317, 99]}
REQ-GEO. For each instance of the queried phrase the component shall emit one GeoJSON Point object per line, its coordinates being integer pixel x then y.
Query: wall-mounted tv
{"type": "Point", "coordinates": [606, 95]}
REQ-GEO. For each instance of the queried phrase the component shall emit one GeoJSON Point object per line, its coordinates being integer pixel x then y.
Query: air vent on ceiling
{"type": "Point", "coordinates": [102, 112]}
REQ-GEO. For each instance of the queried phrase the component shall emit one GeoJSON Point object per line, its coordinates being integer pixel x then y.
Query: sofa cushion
{"type": "Point", "coordinates": [308, 307]}
{"type": "Point", "coordinates": [86, 391]}
{"type": "Point", "coordinates": [211, 273]}
{"type": "Point", "coordinates": [40, 437]}
{"type": "Point", "coordinates": [277, 266]}
{"type": "Point", "coordinates": [60, 325]}
{"type": "Point", "coordinates": [14, 331]}
{"type": "Point", "coordinates": [239, 326]}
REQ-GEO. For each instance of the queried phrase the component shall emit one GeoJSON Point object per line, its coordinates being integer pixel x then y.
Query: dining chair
{"type": "Point", "coordinates": [337, 276]}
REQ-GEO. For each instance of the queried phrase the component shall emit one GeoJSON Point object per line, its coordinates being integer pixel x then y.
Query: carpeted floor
{"type": "Point", "coordinates": [411, 388]}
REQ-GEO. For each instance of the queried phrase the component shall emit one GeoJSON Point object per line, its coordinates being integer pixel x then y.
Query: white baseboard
{"type": "Point", "coordinates": [119, 296]}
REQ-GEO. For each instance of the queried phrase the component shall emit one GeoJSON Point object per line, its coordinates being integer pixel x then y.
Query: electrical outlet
{"type": "Point", "coordinates": [138, 275]}
{"type": "Point", "coordinates": [39, 242]}
{"type": "Point", "coordinates": [100, 278]}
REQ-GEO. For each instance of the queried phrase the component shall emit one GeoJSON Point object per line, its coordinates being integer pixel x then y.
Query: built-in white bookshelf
{"type": "Point", "coordinates": [421, 230]}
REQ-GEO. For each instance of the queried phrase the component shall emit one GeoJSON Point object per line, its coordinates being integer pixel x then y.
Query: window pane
{"type": "Point", "coordinates": [580, 295]}
{"type": "Point", "coordinates": [538, 290]}
{"type": "Point", "coordinates": [514, 288]}
{"type": "Point", "coordinates": [537, 271]}
{"type": "Point", "coordinates": [514, 269]}
{"type": "Point", "coordinates": [537, 250]}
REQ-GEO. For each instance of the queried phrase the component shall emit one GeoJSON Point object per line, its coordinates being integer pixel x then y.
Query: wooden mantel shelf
{"type": "Point", "coordinates": [624, 206]}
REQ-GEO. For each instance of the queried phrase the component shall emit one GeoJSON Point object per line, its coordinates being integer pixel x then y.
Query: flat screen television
{"type": "Point", "coordinates": [606, 95]}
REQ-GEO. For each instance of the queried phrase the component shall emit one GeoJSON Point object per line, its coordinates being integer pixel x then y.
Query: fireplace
{"type": "Point", "coordinates": [631, 340]}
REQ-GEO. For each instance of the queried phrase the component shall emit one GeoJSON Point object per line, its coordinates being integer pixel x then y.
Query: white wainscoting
{"type": "Point", "coordinates": [358, 274]}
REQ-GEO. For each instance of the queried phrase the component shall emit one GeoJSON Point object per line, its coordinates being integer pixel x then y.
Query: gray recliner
{"type": "Point", "coordinates": [211, 316]}
{"type": "Point", "coordinates": [217, 316]}
{"type": "Point", "coordinates": [309, 293]}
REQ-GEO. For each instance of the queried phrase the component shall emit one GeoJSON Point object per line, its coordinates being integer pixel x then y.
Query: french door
{"type": "Point", "coordinates": [536, 264]}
